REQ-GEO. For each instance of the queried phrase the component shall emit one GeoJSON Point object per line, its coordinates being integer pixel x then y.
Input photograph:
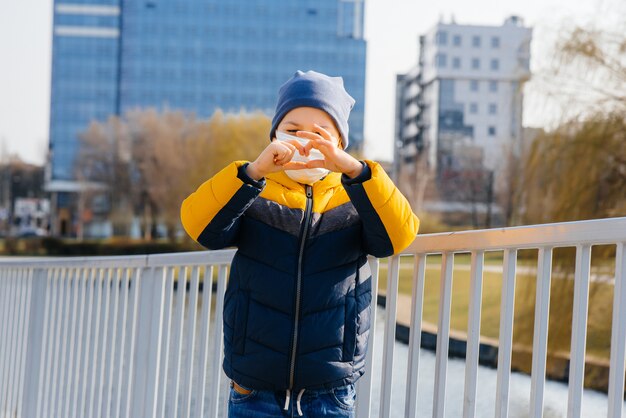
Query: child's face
{"type": "Point", "coordinates": [303, 119]}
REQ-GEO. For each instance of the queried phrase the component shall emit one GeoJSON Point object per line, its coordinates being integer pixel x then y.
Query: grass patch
{"type": "Point", "coordinates": [561, 302]}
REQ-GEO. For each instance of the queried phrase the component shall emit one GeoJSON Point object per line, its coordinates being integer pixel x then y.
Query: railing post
{"type": "Point", "coordinates": [4, 325]}
{"type": "Point", "coordinates": [53, 324]}
{"type": "Point", "coordinates": [148, 348]}
{"type": "Point", "coordinates": [417, 304]}
{"type": "Point", "coordinates": [165, 342]}
{"type": "Point", "coordinates": [83, 386]}
{"type": "Point", "coordinates": [391, 298]}
{"type": "Point", "coordinates": [579, 331]}
{"type": "Point", "coordinates": [540, 337]}
{"type": "Point", "coordinates": [15, 346]}
{"type": "Point", "coordinates": [132, 337]}
{"type": "Point", "coordinates": [618, 335]}
{"type": "Point", "coordinates": [178, 324]}
{"type": "Point", "coordinates": [124, 349]}
{"type": "Point", "coordinates": [200, 385]}
{"type": "Point", "coordinates": [8, 341]}
{"type": "Point", "coordinates": [364, 384]}
{"type": "Point", "coordinates": [116, 280]}
{"type": "Point", "coordinates": [443, 334]}
{"type": "Point", "coordinates": [507, 310]}
{"type": "Point", "coordinates": [473, 334]}
{"type": "Point", "coordinates": [96, 354]}
{"type": "Point", "coordinates": [34, 346]}
{"type": "Point", "coordinates": [219, 343]}
{"type": "Point", "coordinates": [192, 307]}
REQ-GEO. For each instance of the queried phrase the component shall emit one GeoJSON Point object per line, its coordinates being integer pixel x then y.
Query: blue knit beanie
{"type": "Point", "coordinates": [313, 89]}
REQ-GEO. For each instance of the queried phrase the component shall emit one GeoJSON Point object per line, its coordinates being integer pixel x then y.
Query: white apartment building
{"type": "Point", "coordinates": [463, 101]}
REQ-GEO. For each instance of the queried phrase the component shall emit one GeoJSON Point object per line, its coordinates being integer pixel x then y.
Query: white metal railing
{"type": "Point", "coordinates": [115, 336]}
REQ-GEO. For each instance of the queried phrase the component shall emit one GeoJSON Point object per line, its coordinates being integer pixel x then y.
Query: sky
{"type": "Point", "coordinates": [392, 28]}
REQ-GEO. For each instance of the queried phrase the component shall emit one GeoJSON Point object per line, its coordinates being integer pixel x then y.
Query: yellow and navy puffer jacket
{"type": "Point", "coordinates": [298, 300]}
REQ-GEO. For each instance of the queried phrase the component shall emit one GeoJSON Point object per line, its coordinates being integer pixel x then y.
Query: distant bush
{"type": "Point", "coordinates": [21, 246]}
{"type": "Point", "coordinates": [67, 248]}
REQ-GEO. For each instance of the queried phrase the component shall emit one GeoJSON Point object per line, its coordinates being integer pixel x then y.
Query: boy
{"type": "Point", "coordinates": [303, 215]}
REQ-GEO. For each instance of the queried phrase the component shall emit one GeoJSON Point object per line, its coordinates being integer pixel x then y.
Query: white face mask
{"type": "Point", "coordinates": [306, 175]}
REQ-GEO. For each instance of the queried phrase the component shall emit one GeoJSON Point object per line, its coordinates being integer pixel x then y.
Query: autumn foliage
{"type": "Point", "coordinates": [150, 161]}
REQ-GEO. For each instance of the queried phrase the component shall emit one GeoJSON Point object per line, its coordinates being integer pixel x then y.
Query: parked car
{"type": "Point", "coordinates": [31, 233]}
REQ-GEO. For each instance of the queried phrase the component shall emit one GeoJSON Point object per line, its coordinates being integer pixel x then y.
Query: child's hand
{"type": "Point", "coordinates": [276, 157]}
{"type": "Point", "coordinates": [335, 159]}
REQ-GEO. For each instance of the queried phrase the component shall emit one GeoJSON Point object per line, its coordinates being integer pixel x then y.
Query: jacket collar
{"type": "Point", "coordinates": [331, 180]}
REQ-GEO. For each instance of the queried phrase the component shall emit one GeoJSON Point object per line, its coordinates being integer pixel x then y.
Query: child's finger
{"type": "Point", "coordinates": [283, 149]}
{"type": "Point", "coordinates": [285, 145]}
{"type": "Point", "coordinates": [316, 164]}
{"type": "Point", "coordinates": [323, 145]}
{"type": "Point", "coordinates": [307, 148]}
{"type": "Point", "coordinates": [308, 135]}
{"type": "Point", "coordinates": [296, 144]}
{"type": "Point", "coordinates": [282, 161]}
{"type": "Point", "coordinates": [295, 165]}
{"type": "Point", "coordinates": [284, 157]}
{"type": "Point", "coordinates": [324, 133]}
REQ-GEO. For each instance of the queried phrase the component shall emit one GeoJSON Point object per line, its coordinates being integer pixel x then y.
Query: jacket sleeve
{"type": "Point", "coordinates": [212, 214]}
{"type": "Point", "coordinates": [389, 224]}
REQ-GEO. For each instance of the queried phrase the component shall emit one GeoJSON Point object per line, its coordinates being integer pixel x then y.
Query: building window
{"type": "Point", "coordinates": [456, 40]}
{"type": "Point", "coordinates": [493, 86]}
{"type": "Point", "coordinates": [476, 41]}
{"type": "Point", "coordinates": [441, 60]}
{"type": "Point", "coordinates": [442, 37]}
{"type": "Point", "coordinates": [495, 42]}
{"type": "Point", "coordinates": [346, 20]}
{"type": "Point", "coordinates": [493, 108]}
{"type": "Point", "coordinates": [474, 85]}
{"type": "Point", "coordinates": [456, 62]}
{"type": "Point", "coordinates": [475, 63]}
{"type": "Point", "coordinates": [473, 108]}
{"type": "Point", "coordinates": [495, 64]}
{"type": "Point", "coordinates": [524, 63]}
{"type": "Point", "coordinates": [491, 131]}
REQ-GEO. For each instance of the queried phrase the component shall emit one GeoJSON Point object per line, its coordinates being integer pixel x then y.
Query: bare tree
{"type": "Point", "coordinates": [578, 171]}
{"type": "Point", "coordinates": [151, 161]}
{"type": "Point", "coordinates": [104, 160]}
{"type": "Point", "coordinates": [414, 179]}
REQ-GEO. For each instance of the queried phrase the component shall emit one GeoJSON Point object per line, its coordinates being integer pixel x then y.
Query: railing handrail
{"type": "Point", "coordinates": [561, 234]}
{"type": "Point", "coordinates": [216, 257]}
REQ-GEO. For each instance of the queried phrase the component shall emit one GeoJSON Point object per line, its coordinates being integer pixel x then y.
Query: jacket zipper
{"type": "Point", "coordinates": [307, 221]}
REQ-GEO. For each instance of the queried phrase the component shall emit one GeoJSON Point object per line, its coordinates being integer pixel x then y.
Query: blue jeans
{"type": "Point", "coordinates": [336, 402]}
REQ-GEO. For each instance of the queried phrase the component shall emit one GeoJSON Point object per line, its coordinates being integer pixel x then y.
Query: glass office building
{"type": "Point", "coordinates": [195, 55]}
